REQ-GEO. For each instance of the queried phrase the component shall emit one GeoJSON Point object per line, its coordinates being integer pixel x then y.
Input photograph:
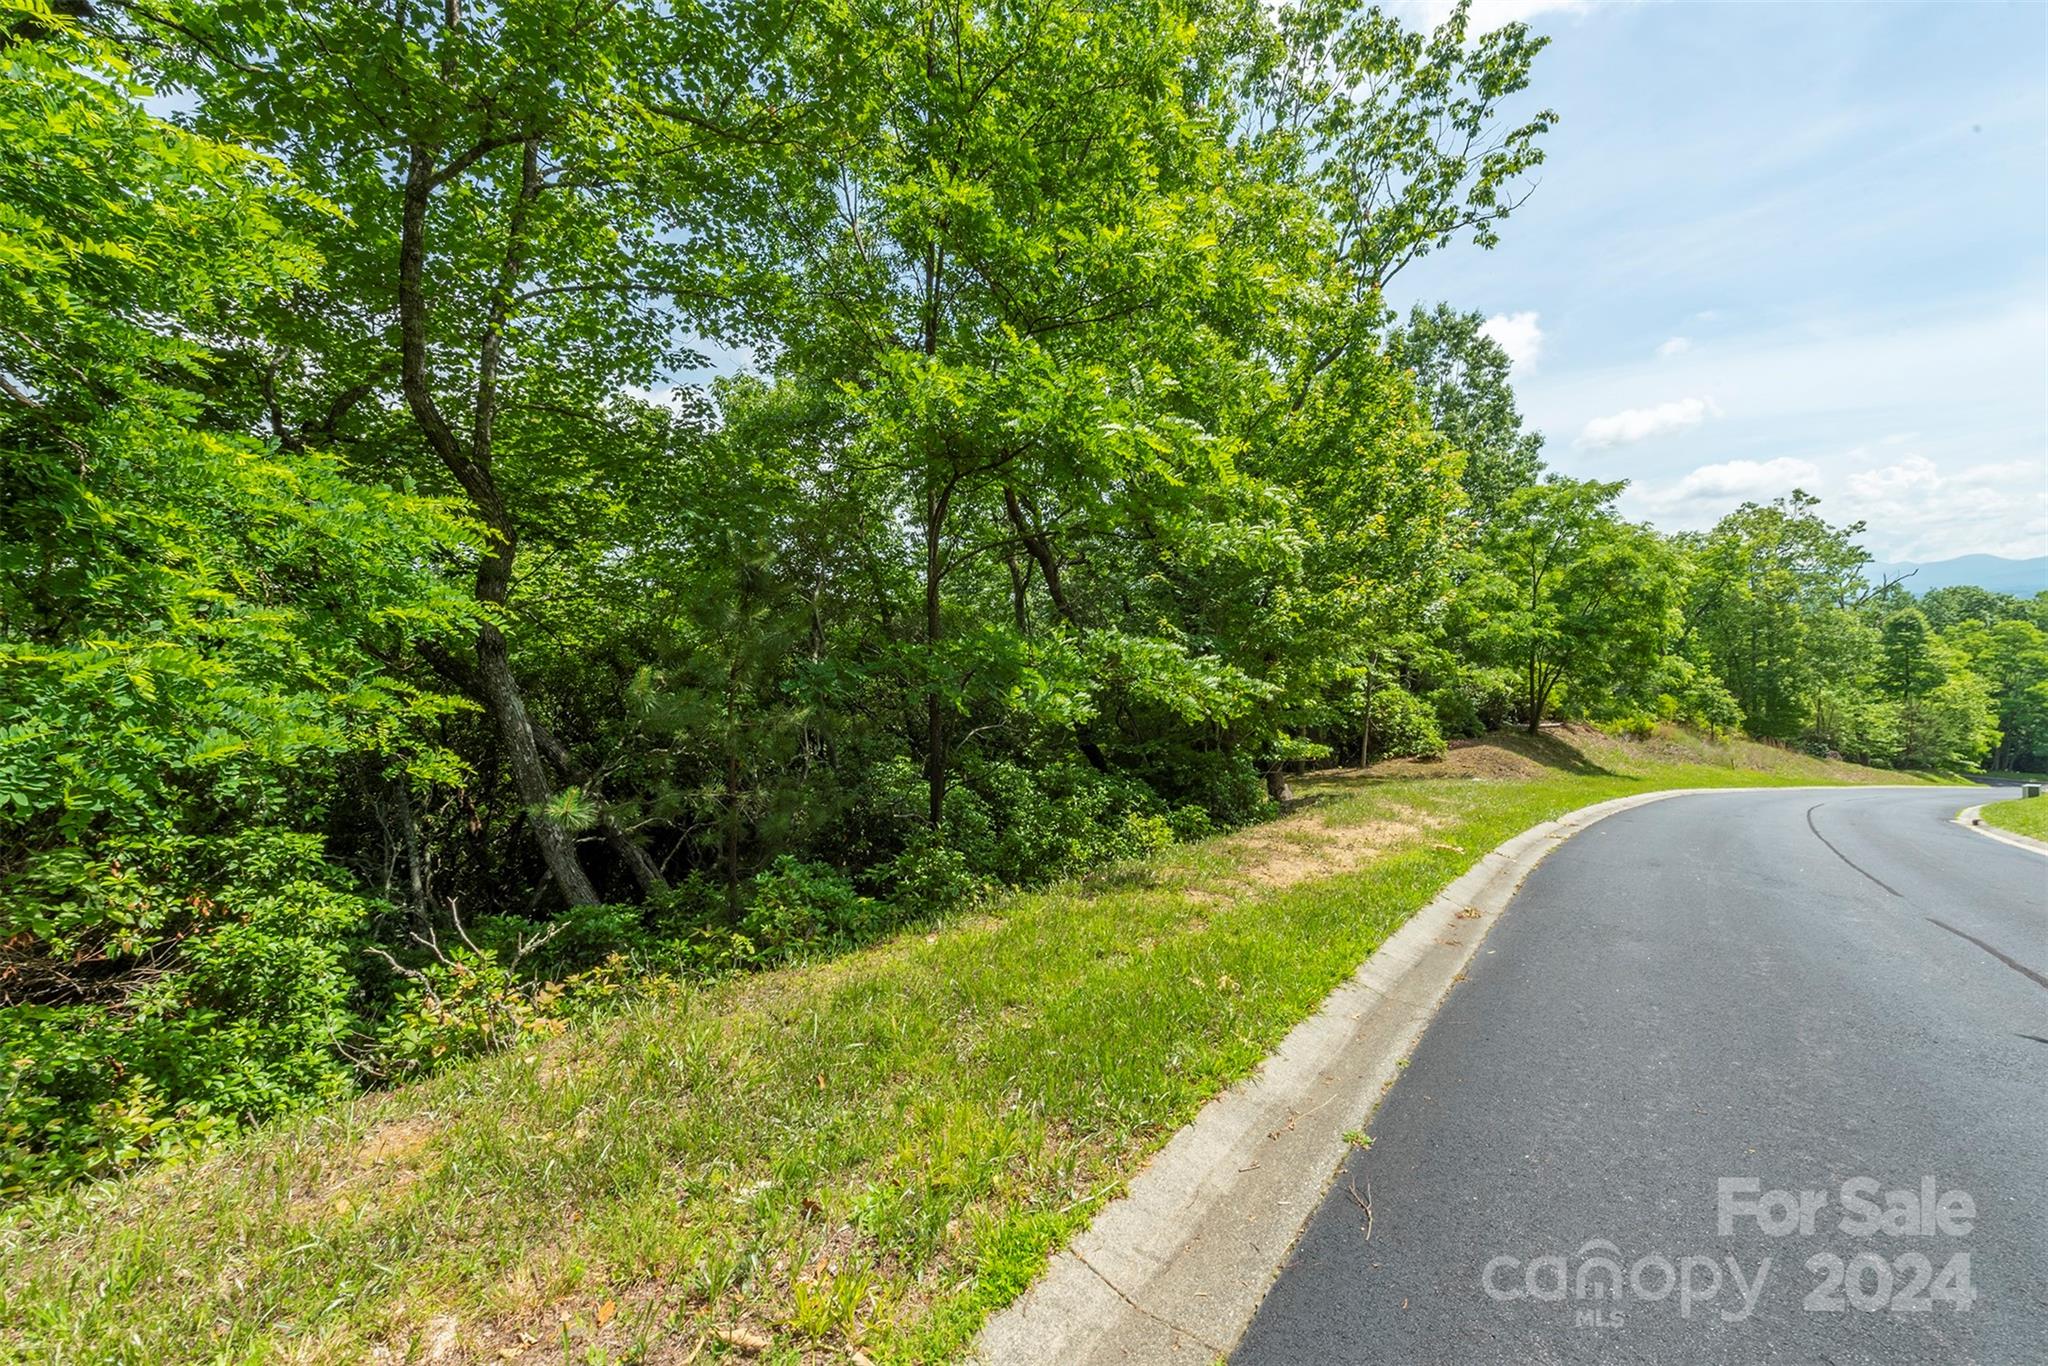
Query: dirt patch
{"type": "Point", "coordinates": [1502, 756]}
{"type": "Point", "coordinates": [1465, 759]}
{"type": "Point", "coordinates": [396, 1141]}
{"type": "Point", "coordinates": [1307, 846]}
{"type": "Point", "coordinates": [389, 1158]}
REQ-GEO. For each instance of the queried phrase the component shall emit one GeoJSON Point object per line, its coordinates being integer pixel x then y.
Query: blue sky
{"type": "Point", "coordinates": [1779, 245]}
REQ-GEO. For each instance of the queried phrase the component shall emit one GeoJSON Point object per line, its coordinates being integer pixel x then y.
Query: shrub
{"type": "Point", "coordinates": [469, 1001]}
{"type": "Point", "coordinates": [465, 1004]}
{"type": "Point", "coordinates": [1457, 715]}
{"type": "Point", "coordinates": [1146, 834]}
{"type": "Point", "coordinates": [1403, 725]}
{"type": "Point", "coordinates": [167, 991]}
{"type": "Point", "coordinates": [1695, 695]}
{"type": "Point", "coordinates": [1190, 822]}
{"type": "Point", "coordinates": [929, 879]}
{"type": "Point", "coordinates": [792, 905]}
{"type": "Point", "coordinates": [1477, 701]}
{"type": "Point", "coordinates": [577, 939]}
{"type": "Point", "coordinates": [1634, 725]}
{"type": "Point", "coordinates": [1227, 786]}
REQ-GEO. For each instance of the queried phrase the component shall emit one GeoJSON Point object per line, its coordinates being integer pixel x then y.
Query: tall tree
{"type": "Point", "coordinates": [1022, 200]}
{"type": "Point", "coordinates": [190, 626]}
{"type": "Point", "coordinates": [523, 185]}
{"type": "Point", "coordinates": [1771, 607]}
{"type": "Point", "coordinates": [1461, 377]}
{"type": "Point", "coordinates": [1570, 594]}
{"type": "Point", "coordinates": [1910, 663]}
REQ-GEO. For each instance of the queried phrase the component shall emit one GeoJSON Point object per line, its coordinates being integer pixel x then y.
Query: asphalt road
{"type": "Point", "coordinates": [1785, 990]}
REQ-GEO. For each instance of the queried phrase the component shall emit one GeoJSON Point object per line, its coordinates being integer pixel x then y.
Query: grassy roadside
{"type": "Point", "coordinates": [856, 1158]}
{"type": "Point", "coordinates": [2021, 816]}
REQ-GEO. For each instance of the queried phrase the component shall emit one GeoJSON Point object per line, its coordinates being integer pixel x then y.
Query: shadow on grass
{"type": "Point", "coordinates": [1552, 750]}
{"type": "Point", "coordinates": [1485, 757]}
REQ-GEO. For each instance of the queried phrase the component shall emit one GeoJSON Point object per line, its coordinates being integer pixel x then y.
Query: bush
{"type": "Point", "coordinates": [792, 905]}
{"type": "Point", "coordinates": [929, 879]}
{"type": "Point", "coordinates": [577, 939]}
{"type": "Point", "coordinates": [1633, 725]}
{"type": "Point", "coordinates": [1477, 701]}
{"type": "Point", "coordinates": [1404, 725]}
{"type": "Point", "coordinates": [1018, 827]}
{"type": "Point", "coordinates": [469, 1001]}
{"type": "Point", "coordinates": [1695, 696]}
{"type": "Point", "coordinates": [1146, 834]}
{"type": "Point", "coordinates": [165, 992]}
{"type": "Point", "coordinates": [1457, 715]}
{"type": "Point", "coordinates": [1190, 822]}
{"type": "Point", "coordinates": [1228, 787]}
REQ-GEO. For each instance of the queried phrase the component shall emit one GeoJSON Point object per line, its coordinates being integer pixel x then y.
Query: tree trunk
{"type": "Point", "coordinates": [934, 705]}
{"type": "Point", "coordinates": [409, 834]}
{"type": "Point", "coordinates": [1535, 698]}
{"type": "Point", "coordinates": [470, 463]}
{"type": "Point", "coordinates": [529, 776]}
{"type": "Point", "coordinates": [937, 502]}
{"type": "Point", "coordinates": [1031, 535]}
{"type": "Point", "coordinates": [729, 854]}
{"type": "Point", "coordinates": [1365, 738]}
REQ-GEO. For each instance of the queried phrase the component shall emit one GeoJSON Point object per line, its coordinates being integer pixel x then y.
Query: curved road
{"type": "Point", "coordinates": [1696, 1011]}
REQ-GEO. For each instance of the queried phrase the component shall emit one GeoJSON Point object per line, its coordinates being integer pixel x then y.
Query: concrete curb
{"type": "Point", "coordinates": [1173, 1271]}
{"type": "Point", "coordinates": [1971, 819]}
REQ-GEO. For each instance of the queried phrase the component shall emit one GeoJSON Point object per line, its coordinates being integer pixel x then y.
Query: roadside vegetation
{"type": "Point", "coordinates": [864, 1153]}
{"type": "Point", "coordinates": [402, 659]}
{"type": "Point", "coordinates": [2021, 816]}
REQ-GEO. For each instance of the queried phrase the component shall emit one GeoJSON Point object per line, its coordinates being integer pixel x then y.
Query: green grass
{"type": "Point", "coordinates": [870, 1152]}
{"type": "Point", "coordinates": [2020, 815]}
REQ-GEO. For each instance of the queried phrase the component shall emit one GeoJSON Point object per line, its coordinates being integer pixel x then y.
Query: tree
{"type": "Point", "coordinates": [1910, 664]}
{"type": "Point", "coordinates": [1950, 726]}
{"type": "Point", "coordinates": [190, 622]}
{"type": "Point", "coordinates": [523, 185]}
{"type": "Point", "coordinates": [1949, 607]}
{"type": "Point", "coordinates": [2011, 656]}
{"type": "Point", "coordinates": [1398, 133]}
{"type": "Point", "coordinates": [1569, 594]}
{"type": "Point", "coordinates": [1461, 377]}
{"type": "Point", "coordinates": [996, 259]}
{"type": "Point", "coordinates": [1771, 607]}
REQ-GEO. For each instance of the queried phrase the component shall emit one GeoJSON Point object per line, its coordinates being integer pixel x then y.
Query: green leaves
{"type": "Point", "coordinates": [190, 629]}
{"type": "Point", "coordinates": [1570, 596]}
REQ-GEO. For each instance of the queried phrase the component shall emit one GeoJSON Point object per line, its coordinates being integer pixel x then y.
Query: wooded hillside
{"type": "Point", "coordinates": [399, 647]}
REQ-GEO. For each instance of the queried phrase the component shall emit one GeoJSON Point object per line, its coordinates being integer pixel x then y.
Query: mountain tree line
{"type": "Point", "coordinates": [393, 654]}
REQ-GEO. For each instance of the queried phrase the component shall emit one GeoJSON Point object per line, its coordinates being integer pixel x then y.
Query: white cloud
{"type": "Point", "coordinates": [1917, 510]}
{"type": "Point", "coordinates": [1640, 424]}
{"type": "Point", "coordinates": [676, 398]}
{"type": "Point", "coordinates": [1487, 15]}
{"type": "Point", "coordinates": [1915, 507]}
{"type": "Point", "coordinates": [1675, 346]}
{"type": "Point", "coordinates": [1741, 481]}
{"type": "Point", "coordinates": [1842, 381]}
{"type": "Point", "coordinates": [1518, 335]}
{"type": "Point", "coordinates": [1702, 497]}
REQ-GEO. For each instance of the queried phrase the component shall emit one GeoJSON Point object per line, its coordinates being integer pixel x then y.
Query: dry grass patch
{"type": "Point", "coordinates": [1313, 843]}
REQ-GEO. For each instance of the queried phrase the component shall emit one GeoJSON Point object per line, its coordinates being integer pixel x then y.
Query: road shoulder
{"type": "Point", "coordinates": [1972, 818]}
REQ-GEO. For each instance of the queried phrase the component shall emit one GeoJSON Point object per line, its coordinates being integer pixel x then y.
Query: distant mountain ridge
{"type": "Point", "coordinates": [2022, 578]}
